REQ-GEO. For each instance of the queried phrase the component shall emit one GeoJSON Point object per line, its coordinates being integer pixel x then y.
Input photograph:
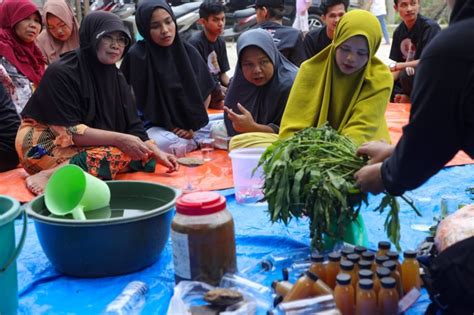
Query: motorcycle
{"type": "Point", "coordinates": [246, 19]}
{"type": "Point", "coordinates": [186, 14]}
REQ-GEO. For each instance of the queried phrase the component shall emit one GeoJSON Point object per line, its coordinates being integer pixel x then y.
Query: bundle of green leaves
{"type": "Point", "coordinates": [311, 174]}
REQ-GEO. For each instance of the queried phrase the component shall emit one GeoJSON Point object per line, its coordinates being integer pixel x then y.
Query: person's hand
{"type": "Point", "coordinates": [369, 179]}
{"type": "Point", "coordinates": [182, 133]}
{"type": "Point", "coordinates": [410, 71]}
{"type": "Point", "coordinates": [376, 151]}
{"type": "Point", "coordinates": [401, 98]}
{"type": "Point", "coordinates": [241, 122]}
{"type": "Point", "coordinates": [133, 146]}
{"type": "Point", "coordinates": [163, 158]}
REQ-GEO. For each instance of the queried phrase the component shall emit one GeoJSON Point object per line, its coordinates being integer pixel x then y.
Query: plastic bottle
{"type": "Point", "coordinates": [393, 256]}
{"type": "Point", "coordinates": [365, 265]}
{"type": "Point", "coordinates": [388, 297]}
{"type": "Point", "coordinates": [410, 271]}
{"type": "Point", "coordinates": [282, 288]}
{"type": "Point", "coordinates": [321, 288]}
{"type": "Point", "coordinates": [369, 256]}
{"type": "Point", "coordinates": [382, 272]}
{"type": "Point", "coordinates": [392, 266]}
{"type": "Point", "coordinates": [366, 301]}
{"type": "Point", "coordinates": [332, 269]}
{"type": "Point", "coordinates": [379, 260]}
{"type": "Point", "coordinates": [359, 250]}
{"type": "Point", "coordinates": [130, 301]}
{"type": "Point", "coordinates": [348, 268]}
{"type": "Point", "coordinates": [354, 258]}
{"type": "Point", "coordinates": [303, 288]}
{"type": "Point", "coordinates": [344, 294]}
{"type": "Point", "coordinates": [365, 274]}
{"type": "Point", "coordinates": [383, 248]}
{"type": "Point", "coordinates": [346, 251]}
{"type": "Point", "coordinates": [317, 266]}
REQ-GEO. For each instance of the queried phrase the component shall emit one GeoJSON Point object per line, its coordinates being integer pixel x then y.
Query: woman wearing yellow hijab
{"type": "Point", "coordinates": [345, 85]}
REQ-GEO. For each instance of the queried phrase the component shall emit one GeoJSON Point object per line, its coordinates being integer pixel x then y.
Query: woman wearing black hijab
{"type": "Point", "coordinates": [82, 112]}
{"type": "Point", "coordinates": [170, 80]}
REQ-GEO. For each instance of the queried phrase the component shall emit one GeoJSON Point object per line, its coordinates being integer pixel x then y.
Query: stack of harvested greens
{"type": "Point", "coordinates": [311, 174]}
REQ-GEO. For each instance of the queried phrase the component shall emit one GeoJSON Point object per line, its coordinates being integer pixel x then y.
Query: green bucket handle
{"type": "Point", "coordinates": [20, 244]}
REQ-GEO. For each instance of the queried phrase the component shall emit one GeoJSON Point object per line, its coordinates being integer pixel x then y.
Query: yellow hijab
{"type": "Point", "coordinates": [353, 104]}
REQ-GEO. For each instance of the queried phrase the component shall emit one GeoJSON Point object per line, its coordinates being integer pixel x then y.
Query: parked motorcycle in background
{"type": "Point", "coordinates": [186, 14]}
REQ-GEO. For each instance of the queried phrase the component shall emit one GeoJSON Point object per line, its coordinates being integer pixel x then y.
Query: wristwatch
{"type": "Point", "coordinates": [393, 66]}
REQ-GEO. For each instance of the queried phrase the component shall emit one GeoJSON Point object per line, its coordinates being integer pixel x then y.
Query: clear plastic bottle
{"type": "Point", "coordinates": [130, 301]}
{"type": "Point", "coordinates": [388, 297]}
{"type": "Point", "coordinates": [366, 300]}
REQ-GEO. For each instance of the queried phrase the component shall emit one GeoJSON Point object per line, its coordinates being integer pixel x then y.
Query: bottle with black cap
{"type": "Point", "coordinates": [303, 287]}
{"type": "Point", "coordinates": [369, 256]}
{"type": "Point", "coordinates": [392, 266]}
{"type": "Point", "coordinates": [317, 266]}
{"type": "Point", "coordinates": [365, 265]}
{"type": "Point", "coordinates": [393, 256]}
{"type": "Point", "coordinates": [379, 260]}
{"type": "Point", "coordinates": [354, 258]}
{"type": "Point", "coordinates": [410, 271]}
{"type": "Point", "coordinates": [383, 248]}
{"type": "Point", "coordinates": [348, 268]}
{"type": "Point", "coordinates": [381, 272]}
{"type": "Point", "coordinates": [388, 297]}
{"type": "Point", "coordinates": [346, 251]}
{"type": "Point", "coordinates": [344, 294]}
{"type": "Point", "coordinates": [365, 274]}
{"type": "Point", "coordinates": [359, 250]}
{"type": "Point", "coordinates": [332, 269]}
{"type": "Point", "coordinates": [366, 300]}
{"type": "Point", "coordinates": [281, 288]}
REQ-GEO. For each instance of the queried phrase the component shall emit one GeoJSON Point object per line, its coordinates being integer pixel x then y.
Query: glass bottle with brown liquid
{"type": "Point", "coordinates": [366, 300]}
{"type": "Point", "coordinates": [382, 272]}
{"type": "Point", "coordinates": [410, 271]}
{"type": "Point", "coordinates": [388, 297]}
{"type": "Point", "coordinates": [317, 266]}
{"type": "Point", "coordinates": [348, 268]}
{"type": "Point", "coordinates": [332, 269]}
{"type": "Point", "coordinates": [392, 266]}
{"type": "Point", "coordinates": [344, 294]}
{"type": "Point", "coordinates": [383, 248]}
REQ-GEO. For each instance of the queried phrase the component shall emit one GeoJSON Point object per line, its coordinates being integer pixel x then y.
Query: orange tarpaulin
{"type": "Point", "coordinates": [213, 175]}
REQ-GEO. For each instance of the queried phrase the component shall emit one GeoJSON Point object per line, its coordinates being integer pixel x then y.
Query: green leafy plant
{"type": "Point", "coordinates": [311, 174]}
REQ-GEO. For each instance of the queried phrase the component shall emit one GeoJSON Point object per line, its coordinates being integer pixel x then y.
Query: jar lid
{"type": "Point", "coordinates": [200, 203]}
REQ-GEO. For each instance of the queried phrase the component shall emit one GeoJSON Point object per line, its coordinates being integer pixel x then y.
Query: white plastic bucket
{"type": "Point", "coordinates": [248, 186]}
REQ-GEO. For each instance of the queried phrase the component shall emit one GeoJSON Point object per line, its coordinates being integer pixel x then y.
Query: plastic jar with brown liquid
{"type": "Point", "coordinates": [203, 240]}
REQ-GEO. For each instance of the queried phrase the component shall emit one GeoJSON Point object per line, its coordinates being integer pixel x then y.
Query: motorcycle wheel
{"type": "Point", "coordinates": [314, 22]}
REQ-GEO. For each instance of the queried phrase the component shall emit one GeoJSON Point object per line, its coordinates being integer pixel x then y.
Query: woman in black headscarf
{"type": "Point", "coordinates": [170, 80]}
{"type": "Point", "coordinates": [82, 112]}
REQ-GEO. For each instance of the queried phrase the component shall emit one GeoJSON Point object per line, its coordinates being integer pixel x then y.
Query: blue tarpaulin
{"type": "Point", "coordinates": [43, 290]}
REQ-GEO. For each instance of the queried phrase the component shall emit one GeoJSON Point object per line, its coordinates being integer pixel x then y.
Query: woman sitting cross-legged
{"type": "Point", "coordinates": [82, 112]}
{"type": "Point", "coordinates": [171, 82]}
{"type": "Point", "coordinates": [259, 90]}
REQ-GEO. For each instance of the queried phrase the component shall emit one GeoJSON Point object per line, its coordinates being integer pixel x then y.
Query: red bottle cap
{"type": "Point", "coordinates": [200, 203]}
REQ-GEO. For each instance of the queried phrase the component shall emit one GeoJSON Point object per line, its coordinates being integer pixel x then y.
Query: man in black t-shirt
{"type": "Point", "coordinates": [318, 39]}
{"type": "Point", "coordinates": [212, 48]}
{"type": "Point", "coordinates": [409, 40]}
{"type": "Point", "coordinates": [288, 40]}
{"type": "Point", "coordinates": [9, 124]}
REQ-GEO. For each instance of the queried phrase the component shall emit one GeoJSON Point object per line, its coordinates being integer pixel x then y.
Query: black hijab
{"type": "Point", "coordinates": [266, 103]}
{"type": "Point", "coordinates": [170, 83]}
{"type": "Point", "coordinates": [462, 9]}
{"type": "Point", "coordinates": [79, 89]}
